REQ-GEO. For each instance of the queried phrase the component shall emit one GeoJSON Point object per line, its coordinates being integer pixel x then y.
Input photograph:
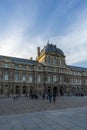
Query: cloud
{"type": "Point", "coordinates": [13, 40]}
{"type": "Point", "coordinates": [74, 43]}
{"type": "Point", "coordinates": [19, 40]}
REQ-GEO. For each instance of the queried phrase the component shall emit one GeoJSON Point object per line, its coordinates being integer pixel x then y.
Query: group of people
{"type": "Point", "coordinates": [15, 97]}
{"type": "Point", "coordinates": [50, 97]}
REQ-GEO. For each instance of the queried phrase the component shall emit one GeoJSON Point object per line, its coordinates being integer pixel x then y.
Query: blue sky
{"type": "Point", "coordinates": [26, 24]}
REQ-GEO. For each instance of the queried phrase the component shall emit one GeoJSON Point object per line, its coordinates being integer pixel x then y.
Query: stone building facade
{"type": "Point", "coordinates": [49, 73]}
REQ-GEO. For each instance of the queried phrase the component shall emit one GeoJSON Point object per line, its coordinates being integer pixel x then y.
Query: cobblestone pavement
{"type": "Point", "coordinates": [68, 113]}
{"type": "Point", "coordinates": [24, 105]}
{"type": "Point", "coordinates": [64, 119]}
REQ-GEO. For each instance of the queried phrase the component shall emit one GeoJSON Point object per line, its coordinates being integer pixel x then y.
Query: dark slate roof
{"type": "Point", "coordinates": [81, 69]}
{"type": "Point", "coordinates": [51, 48]}
{"type": "Point", "coordinates": [20, 60]}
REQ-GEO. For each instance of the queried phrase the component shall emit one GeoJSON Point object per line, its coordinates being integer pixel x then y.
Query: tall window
{"type": "Point", "coordinates": [54, 61]}
{"type": "Point", "coordinates": [61, 79]}
{"type": "Point", "coordinates": [60, 61]}
{"type": "Point", "coordinates": [6, 76]}
{"type": "Point", "coordinates": [54, 78]}
{"type": "Point", "coordinates": [24, 77]}
{"type": "Point", "coordinates": [30, 78]}
{"type": "Point", "coordinates": [16, 77]}
{"type": "Point", "coordinates": [39, 78]}
{"type": "Point", "coordinates": [48, 60]}
{"type": "Point", "coordinates": [49, 79]}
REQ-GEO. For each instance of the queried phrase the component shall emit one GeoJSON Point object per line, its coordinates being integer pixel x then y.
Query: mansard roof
{"type": "Point", "coordinates": [51, 48]}
{"type": "Point", "coordinates": [75, 68]}
{"type": "Point", "coordinates": [19, 60]}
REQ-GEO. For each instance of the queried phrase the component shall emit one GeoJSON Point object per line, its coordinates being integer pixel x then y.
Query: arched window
{"type": "Point", "coordinates": [54, 61]}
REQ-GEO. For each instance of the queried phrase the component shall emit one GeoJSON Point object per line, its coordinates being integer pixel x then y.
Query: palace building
{"type": "Point", "coordinates": [49, 73]}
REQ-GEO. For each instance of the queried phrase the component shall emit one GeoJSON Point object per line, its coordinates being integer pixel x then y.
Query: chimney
{"type": "Point", "coordinates": [38, 51]}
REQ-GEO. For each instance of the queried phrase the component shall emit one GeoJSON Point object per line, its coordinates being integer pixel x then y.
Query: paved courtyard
{"type": "Point", "coordinates": [68, 113]}
{"type": "Point", "coordinates": [65, 119]}
{"type": "Point", "coordinates": [24, 105]}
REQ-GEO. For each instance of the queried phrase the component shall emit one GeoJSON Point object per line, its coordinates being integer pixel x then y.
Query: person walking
{"type": "Point", "coordinates": [50, 98]}
{"type": "Point", "coordinates": [54, 98]}
{"type": "Point", "coordinates": [43, 96]}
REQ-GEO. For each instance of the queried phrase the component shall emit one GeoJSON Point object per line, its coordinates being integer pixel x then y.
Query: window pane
{"type": "Point", "coordinates": [6, 76]}
{"type": "Point", "coordinates": [30, 78]}
{"type": "Point", "coordinates": [16, 77]}
{"type": "Point", "coordinates": [6, 65]}
{"type": "Point", "coordinates": [39, 78]}
{"type": "Point", "coordinates": [24, 77]}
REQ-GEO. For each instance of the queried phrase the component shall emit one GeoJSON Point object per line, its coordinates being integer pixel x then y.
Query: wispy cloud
{"type": "Point", "coordinates": [29, 27]}
{"type": "Point", "coordinates": [13, 40]}
{"type": "Point", "coordinates": [74, 42]}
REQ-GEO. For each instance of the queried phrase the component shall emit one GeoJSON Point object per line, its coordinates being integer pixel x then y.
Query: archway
{"type": "Point", "coordinates": [17, 90]}
{"type": "Point", "coordinates": [24, 90]}
{"type": "Point", "coordinates": [49, 90]}
{"type": "Point", "coordinates": [73, 91]}
{"type": "Point", "coordinates": [61, 91]}
{"type": "Point", "coordinates": [78, 91]}
{"type": "Point", "coordinates": [1, 90]}
{"type": "Point", "coordinates": [55, 90]}
{"type": "Point", "coordinates": [31, 90]}
{"type": "Point", "coordinates": [82, 92]}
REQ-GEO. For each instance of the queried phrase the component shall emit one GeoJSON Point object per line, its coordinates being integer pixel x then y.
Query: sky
{"type": "Point", "coordinates": [27, 24]}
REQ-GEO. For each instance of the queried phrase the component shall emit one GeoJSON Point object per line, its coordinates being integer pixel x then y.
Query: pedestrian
{"type": "Point", "coordinates": [43, 96]}
{"type": "Point", "coordinates": [14, 98]}
{"type": "Point", "coordinates": [54, 98]}
{"type": "Point", "coordinates": [50, 98]}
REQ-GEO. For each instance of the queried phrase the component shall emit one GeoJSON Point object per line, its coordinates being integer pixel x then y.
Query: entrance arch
{"type": "Point", "coordinates": [24, 90]}
{"type": "Point", "coordinates": [61, 91]}
{"type": "Point", "coordinates": [55, 90]}
{"type": "Point", "coordinates": [73, 91]}
{"type": "Point", "coordinates": [1, 90]}
{"type": "Point", "coordinates": [31, 90]}
{"type": "Point", "coordinates": [17, 90]}
{"type": "Point", "coordinates": [49, 90]}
